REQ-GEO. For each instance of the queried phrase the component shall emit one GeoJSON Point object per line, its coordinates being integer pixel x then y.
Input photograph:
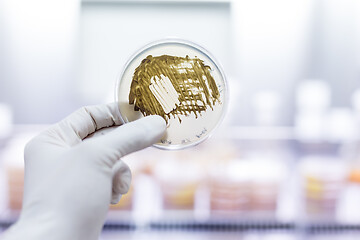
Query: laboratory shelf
{"type": "Point", "coordinates": [222, 226]}
{"type": "Point", "coordinates": [308, 228]}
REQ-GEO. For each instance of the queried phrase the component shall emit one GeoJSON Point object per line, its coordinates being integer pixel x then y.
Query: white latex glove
{"type": "Point", "coordinates": [70, 180]}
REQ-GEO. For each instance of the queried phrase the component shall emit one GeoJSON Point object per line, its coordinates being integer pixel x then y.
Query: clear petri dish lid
{"type": "Point", "coordinates": [179, 81]}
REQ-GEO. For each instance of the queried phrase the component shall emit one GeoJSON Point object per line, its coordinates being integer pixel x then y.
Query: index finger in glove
{"type": "Point", "coordinates": [85, 121]}
{"type": "Point", "coordinates": [126, 139]}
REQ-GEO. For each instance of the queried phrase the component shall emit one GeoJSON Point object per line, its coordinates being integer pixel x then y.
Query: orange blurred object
{"type": "Point", "coordinates": [178, 195]}
{"type": "Point", "coordinates": [15, 181]}
{"type": "Point", "coordinates": [354, 176]}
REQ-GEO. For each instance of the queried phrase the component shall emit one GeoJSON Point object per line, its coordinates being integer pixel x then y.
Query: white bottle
{"type": "Point", "coordinates": [313, 98]}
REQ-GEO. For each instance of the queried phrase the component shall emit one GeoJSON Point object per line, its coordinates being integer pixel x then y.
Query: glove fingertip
{"type": "Point", "coordinates": [157, 122]}
{"type": "Point", "coordinates": [115, 199]}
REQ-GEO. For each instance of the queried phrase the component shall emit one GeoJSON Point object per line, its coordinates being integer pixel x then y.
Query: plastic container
{"type": "Point", "coordinates": [179, 81]}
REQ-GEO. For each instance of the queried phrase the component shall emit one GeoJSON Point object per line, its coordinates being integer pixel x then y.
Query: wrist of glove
{"type": "Point", "coordinates": [73, 172]}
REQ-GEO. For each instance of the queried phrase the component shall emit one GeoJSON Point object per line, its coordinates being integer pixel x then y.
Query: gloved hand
{"type": "Point", "coordinates": [73, 171]}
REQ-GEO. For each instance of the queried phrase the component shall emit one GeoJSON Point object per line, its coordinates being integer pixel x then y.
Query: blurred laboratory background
{"type": "Point", "coordinates": [285, 163]}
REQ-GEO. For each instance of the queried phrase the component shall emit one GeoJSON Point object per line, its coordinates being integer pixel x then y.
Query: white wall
{"type": "Point", "coordinates": [335, 55]}
{"type": "Point", "coordinates": [280, 43]}
{"type": "Point", "coordinates": [272, 42]}
{"type": "Point", "coordinates": [58, 55]}
{"type": "Point", "coordinates": [112, 32]}
{"type": "Point", "coordinates": [38, 50]}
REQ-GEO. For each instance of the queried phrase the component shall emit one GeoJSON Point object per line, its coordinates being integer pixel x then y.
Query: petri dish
{"type": "Point", "coordinates": [181, 82]}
